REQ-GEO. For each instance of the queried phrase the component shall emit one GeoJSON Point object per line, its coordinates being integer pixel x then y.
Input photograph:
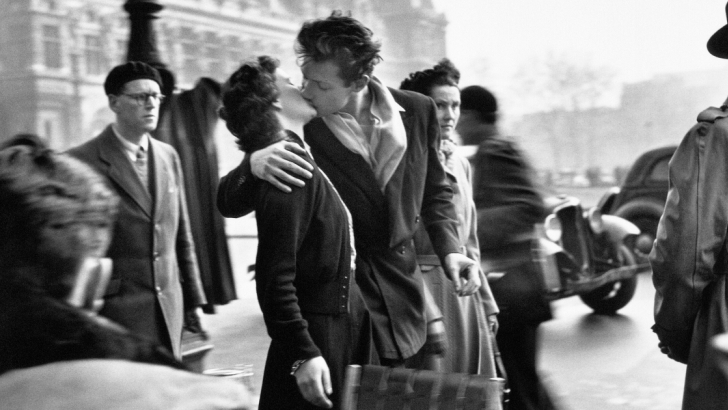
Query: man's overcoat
{"type": "Point", "coordinates": [689, 259]}
{"type": "Point", "coordinates": [155, 267]}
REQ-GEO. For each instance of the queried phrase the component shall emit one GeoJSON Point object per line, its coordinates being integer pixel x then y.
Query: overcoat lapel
{"type": "Point", "coordinates": [121, 172]}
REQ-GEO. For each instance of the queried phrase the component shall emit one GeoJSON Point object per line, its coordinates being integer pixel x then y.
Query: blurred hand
{"type": "Point", "coordinates": [276, 162]}
{"type": "Point", "coordinates": [464, 273]}
{"type": "Point", "coordinates": [314, 382]}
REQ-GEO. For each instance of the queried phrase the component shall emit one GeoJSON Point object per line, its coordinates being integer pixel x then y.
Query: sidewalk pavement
{"type": "Point", "coordinates": [237, 330]}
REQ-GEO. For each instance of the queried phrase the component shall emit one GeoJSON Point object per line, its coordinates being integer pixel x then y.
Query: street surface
{"type": "Point", "coordinates": [609, 362]}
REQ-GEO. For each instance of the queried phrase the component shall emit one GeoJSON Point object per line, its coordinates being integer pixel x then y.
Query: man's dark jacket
{"type": "Point", "coordinates": [384, 222]}
{"type": "Point", "coordinates": [508, 205]}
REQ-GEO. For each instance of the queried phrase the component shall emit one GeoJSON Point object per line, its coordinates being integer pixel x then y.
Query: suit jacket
{"type": "Point", "coordinates": [690, 258]}
{"type": "Point", "coordinates": [155, 272]}
{"type": "Point", "coordinates": [384, 223]}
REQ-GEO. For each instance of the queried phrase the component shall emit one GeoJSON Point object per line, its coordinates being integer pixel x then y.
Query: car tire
{"type": "Point", "coordinates": [609, 298]}
{"type": "Point", "coordinates": [648, 228]}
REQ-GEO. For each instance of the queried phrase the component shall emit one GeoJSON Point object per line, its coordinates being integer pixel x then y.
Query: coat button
{"type": "Point", "coordinates": [417, 219]}
{"type": "Point", "coordinates": [159, 289]}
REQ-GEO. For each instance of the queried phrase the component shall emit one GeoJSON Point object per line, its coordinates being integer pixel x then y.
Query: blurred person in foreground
{"type": "Point", "coordinates": [312, 306]}
{"type": "Point", "coordinates": [690, 259]}
{"type": "Point", "coordinates": [56, 216]}
{"type": "Point", "coordinates": [508, 206]}
{"type": "Point", "coordinates": [470, 322]}
{"type": "Point", "coordinates": [379, 146]}
{"type": "Point", "coordinates": [155, 286]}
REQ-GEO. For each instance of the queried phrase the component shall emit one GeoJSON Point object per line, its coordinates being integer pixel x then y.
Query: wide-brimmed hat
{"type": "Point", "coordinates": [718, 42]}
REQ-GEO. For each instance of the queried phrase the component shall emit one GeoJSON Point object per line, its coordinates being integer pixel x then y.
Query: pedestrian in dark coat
{"type": "Point", "coordinates": [187, 122]}
{"type": "Point", "coordinates": [155, 281]}
{"type": "Point", "coordinates": [689, 260]}
{"type": "Point", "coordinates": [508, 206]}
{"type": "Point", "coordinates": [311, 304]}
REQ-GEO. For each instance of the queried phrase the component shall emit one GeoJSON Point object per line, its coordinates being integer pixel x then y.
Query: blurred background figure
{"type": "Point", "coordinates": [508, 205]}
{"type": "Point", "coordinates": [56, 215]}
{"type": "Point", "coordinates": [470, 321]}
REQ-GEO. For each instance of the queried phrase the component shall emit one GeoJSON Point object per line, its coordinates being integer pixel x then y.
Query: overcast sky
{"type": "Point", "coordinates": [635, 38]}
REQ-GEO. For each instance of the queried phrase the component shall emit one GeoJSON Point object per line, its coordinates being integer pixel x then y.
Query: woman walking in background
{"type": "Point", "coordinates": [470, 322]}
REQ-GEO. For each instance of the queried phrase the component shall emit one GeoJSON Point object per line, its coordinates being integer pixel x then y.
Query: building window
{"type": "Point", "coordinates": [52, 46]}
{"type": "Point", "coordinates": [93, 54]}
{"type": "Point", "coordinates": [214, 56]}
{"type": "Point", "coordinates": [190, 67]}
{"type": "Point", "coordinates": [48, 129]}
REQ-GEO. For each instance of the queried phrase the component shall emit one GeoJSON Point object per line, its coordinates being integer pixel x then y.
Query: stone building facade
{"type": "Point", "coordinates": [54, 54]}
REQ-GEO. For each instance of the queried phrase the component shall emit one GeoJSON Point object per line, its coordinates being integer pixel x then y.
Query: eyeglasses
{"type": "Point", "coordinates": [141, 98]}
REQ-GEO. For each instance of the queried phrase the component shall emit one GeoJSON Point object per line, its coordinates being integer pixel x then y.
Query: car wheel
{"type": "Point", "coordinates": [648, 231]}
{"type": "Point", "coordinates": [609, 298]}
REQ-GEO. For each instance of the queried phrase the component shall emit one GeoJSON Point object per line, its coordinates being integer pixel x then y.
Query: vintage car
{"type": "Point", "coordinates": [641, 198]}
{"type": "Point", "coordinates": [582, 252]}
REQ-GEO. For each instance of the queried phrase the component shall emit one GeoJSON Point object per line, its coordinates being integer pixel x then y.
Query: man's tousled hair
{"type": "Point", "coordinates": [341, 39]}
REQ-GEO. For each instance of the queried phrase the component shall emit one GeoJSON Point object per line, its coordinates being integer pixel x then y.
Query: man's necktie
{"type": "Point", "coordinates": [141, 167]}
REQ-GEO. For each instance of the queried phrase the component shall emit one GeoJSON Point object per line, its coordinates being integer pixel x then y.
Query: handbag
{"type": "Point", "coordinates": [371, 387]}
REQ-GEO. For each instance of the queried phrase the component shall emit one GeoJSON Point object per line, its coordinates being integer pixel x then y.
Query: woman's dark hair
{"type": "Point", "coordinates": [247, 104]}
{"type": "Point", "coordinates": [342, 39]}
{"type": "Point", "coordinates": [444, 73]}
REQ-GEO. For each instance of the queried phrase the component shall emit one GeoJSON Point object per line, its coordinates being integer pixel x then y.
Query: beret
{"type": "Point", "coordinates": [479, 99]}
{"type": "Point", "coordinates": [130, 71]}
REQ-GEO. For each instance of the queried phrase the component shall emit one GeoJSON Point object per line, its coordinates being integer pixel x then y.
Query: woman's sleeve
{"type": "Point", "coordinates": [283, 219]}
{"type": "Point", "coordinates": [235, 191]}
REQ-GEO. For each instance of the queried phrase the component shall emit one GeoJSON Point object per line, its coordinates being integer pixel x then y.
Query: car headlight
{"type": "Point", "coordinates": [596, 223]}
{"type": "Point", "coordinates": [552, 227]}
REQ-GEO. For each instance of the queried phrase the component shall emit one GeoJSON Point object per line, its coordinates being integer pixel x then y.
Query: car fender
{"type": "Point", "coordinates": [606, 202]}
{"type": "Point", "coordinates": [644, 207]}
{"type": "Point", "coordinates": [618, 228]}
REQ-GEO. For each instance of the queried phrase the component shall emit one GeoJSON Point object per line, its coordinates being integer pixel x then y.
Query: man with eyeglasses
{"type": "Point", "coordinates": [155, 282]}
